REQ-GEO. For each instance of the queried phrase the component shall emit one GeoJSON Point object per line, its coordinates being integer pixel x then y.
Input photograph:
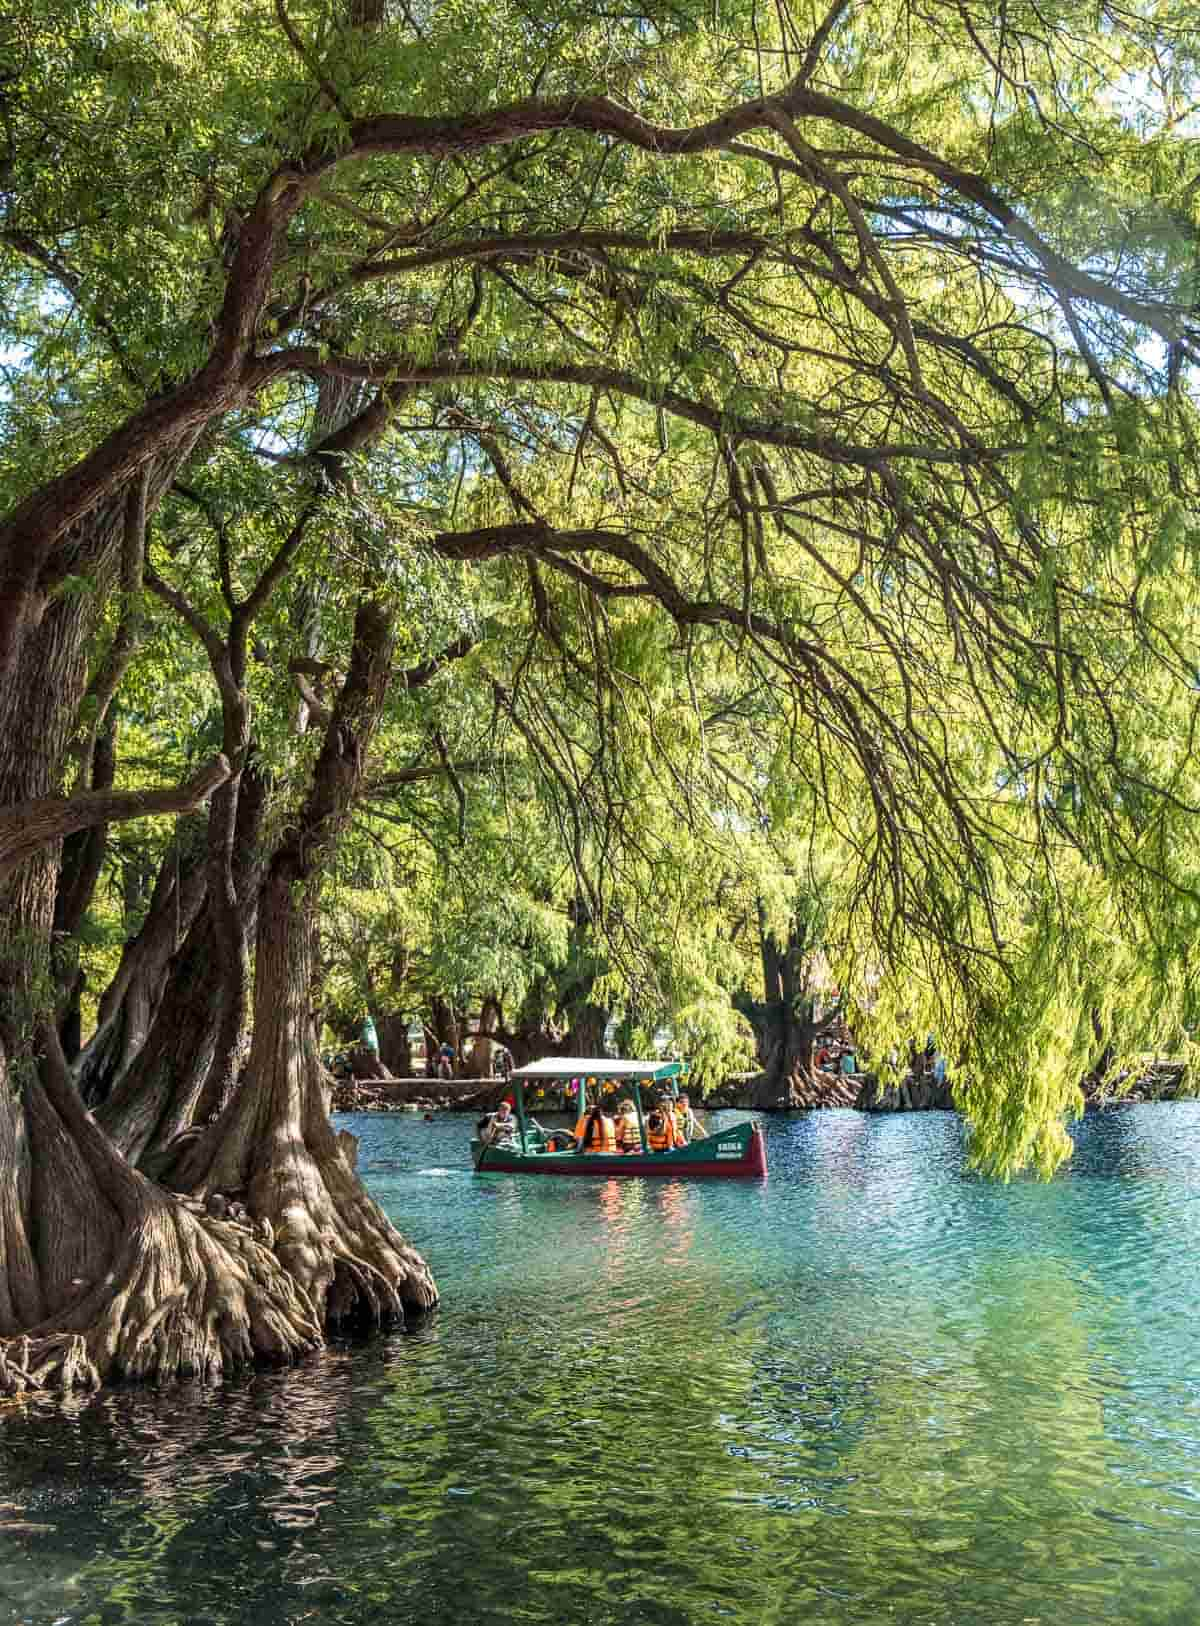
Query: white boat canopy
{"type": "Point", "coordinates": [559, 1067]}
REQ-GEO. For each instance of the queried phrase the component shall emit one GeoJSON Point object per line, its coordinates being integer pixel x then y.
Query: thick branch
{"type": "Point", "coordinates": [416, 677]}
{"type": "Point", "coordinates": [26, 826]}
{"type": "Point", "coordinates": [131, 627]}
{"type": "Point", "coordinates": [594, 376]}
{"type": "Point", "coordinates": [390, 783]}
{"type": "Point", "coordinates": [598, 115]}
{"type": "Point", "coordinates": [319, 713]}
{"type": "Point", "coordinates": [30, 531]}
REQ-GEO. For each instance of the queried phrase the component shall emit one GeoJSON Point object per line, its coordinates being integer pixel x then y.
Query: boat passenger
{"type": "Point", "coordinates": [687, 1126]}
{"type": "Point", "coordinates": [499, 1128]}
{"type": "Point", "coordinates": [599, 1133]}
{"type": "Point", "coordinates": [660, 1129]}
{"type": "Point", "coordinates": [629, 1131]}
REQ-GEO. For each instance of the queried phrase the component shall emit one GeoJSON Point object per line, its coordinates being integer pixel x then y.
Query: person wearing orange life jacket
{"type": "Point", "coordinates": [599, 1133]}
{"type": "Point", "coordinates": [660, 1129]}
{"type": "Point", "coordinates": [629, 1132]}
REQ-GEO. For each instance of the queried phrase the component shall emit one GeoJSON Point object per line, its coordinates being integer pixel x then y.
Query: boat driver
{"type": "Point", "coordinates": [499, 1128]}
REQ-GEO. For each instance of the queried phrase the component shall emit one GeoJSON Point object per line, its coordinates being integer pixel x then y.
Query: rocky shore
{"type": "Point", "coordinates": [921, 1092]}
{"type": "Point", "coordinates": [414, 1094]}
{"type": "Point", "coordinates": [860, 1091]}
{"type": "Point", "coordinates": [471, 1095]}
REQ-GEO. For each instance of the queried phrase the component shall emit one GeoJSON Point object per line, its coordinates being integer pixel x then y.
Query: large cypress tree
{"type": "Point", "coordinates": [838, 367]}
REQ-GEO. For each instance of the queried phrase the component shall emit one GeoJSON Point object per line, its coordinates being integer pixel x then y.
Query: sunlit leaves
{"type": "Point", "coordinates": [858, 541]}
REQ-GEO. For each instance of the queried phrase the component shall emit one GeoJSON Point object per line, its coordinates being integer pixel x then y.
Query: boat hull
{"type": "Point", "coordinates": [737, 1153]}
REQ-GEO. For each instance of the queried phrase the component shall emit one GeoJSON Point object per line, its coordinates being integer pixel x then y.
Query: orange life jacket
{"type": "Point", "coordinates": [663, 1138]}
{"type": "Point", "coordinates": [604, 1136]}
{"type": "Point", "coordinates": [629, 1136]}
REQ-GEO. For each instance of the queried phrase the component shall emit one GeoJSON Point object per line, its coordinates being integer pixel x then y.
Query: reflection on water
{"type": "Point", "coordinates": [874, 1389]}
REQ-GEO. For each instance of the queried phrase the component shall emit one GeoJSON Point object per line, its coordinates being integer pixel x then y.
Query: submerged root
{"type": "Point", "coordinates": [335, 1241]}
{"type": "Point", "coordinates": [350, 1260]}
{"type": "Point", "coordinates": [187, 1296]}
{"type": "Point", "coordinates": [37, 1365]}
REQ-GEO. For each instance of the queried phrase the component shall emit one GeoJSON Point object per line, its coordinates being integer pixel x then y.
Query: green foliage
{"type": "Point", "coordinates": [822, 525]}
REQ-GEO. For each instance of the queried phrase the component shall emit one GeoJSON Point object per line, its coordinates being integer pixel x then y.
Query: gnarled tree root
{"type": "Point", "coordinates": [186, 1296]}
{"type": "Point", "coordinates": [58, 1361]}
{"type": "Point", "coordinates": [334, 1240]}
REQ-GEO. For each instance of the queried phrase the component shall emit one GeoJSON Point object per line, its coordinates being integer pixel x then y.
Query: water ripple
{"type": "Point", "coordinates": [873, 1389]}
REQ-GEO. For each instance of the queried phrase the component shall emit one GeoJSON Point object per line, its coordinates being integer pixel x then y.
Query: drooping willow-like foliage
{"type": "Point", "coordinates": [792, 412]}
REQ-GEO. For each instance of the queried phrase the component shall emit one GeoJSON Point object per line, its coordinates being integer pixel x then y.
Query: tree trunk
{"type": "Point", "coordinates": [585, 1036]}
{"type": "Point", "coordinates": [127, 1280]}
{"type": "Point", "coordinates": [37, 710]}
{"type": "Point", "coordinates": [79, 871]}
{"type": "Point", "coordinates": [186, 1070]}
{"type": "Point", "coordinates": [235, 913]}
{"type": "Point", "coordinates": [445, 1028]}
{"type": "Point", "coordinates": [531, 1039]}
{"type": "Point", "coordinates": [395, 1046]}
{"type": "Point", "coordinates": [129, 1004]}
{"type": "Point", "coordinates": [481, 1062]}
{"type": "Point", "coordinates": [103, 1275]}
{"type": "Point", "coordinates": [785, 1046]}
{"type": "Point", "coordinates": [782, 1021]}
{"type": "Point", "coordinates": [273, 1146]}
{"type": "Point", "coordinates": [166, 1074]}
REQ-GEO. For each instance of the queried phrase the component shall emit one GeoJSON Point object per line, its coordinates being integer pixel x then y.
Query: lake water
{"type": "Point", "coordinates": [871, 1390]}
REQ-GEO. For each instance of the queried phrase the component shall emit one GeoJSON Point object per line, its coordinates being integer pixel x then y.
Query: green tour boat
{"type": "Point", "coordinates": [738, 1150]}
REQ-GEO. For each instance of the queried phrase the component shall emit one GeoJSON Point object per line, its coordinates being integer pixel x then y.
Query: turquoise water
{"type": "Point", "coordinates": [873, 1389]}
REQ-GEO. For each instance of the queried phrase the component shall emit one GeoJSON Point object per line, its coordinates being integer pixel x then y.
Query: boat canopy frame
{"type": "Point", "coordinates": [567, 1067]}
{"type": "Point", "coordinates": [571, 1068]}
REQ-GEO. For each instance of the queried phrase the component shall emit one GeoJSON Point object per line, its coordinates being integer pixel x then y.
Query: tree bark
{"type": "Point", "coordinates": [167, 1071]}
{"type": "Point", "coordinates": [83, 851]}
{"type": "Point", "coordinates": [103, 1274]}
{"type": "Point", "coordinates": [186, 1070]}
{"type": "Point", "coordinates": [234, 909]}
{"type": "Point", "coordinates": [273, 1146]}
{"type": "Point", "coordinates": [785, 1045]}
{"type": "Point", "coordinates": [127, 1280]}
{"type": "Point", "coordinates": [445, 1028]}
{"type": "Point", "coordinates": [129, 1004]}
{"type": "Point", "coordinates": [79, 870]}
{"type": "Point", "coordinates": [45, 820]}
{"type": "Point", "coordinates": [480, 1063]}
{"type": "Point", "coordinates": [395, 1046]}
{"type": "Point", "coordinates": [782, 1020]}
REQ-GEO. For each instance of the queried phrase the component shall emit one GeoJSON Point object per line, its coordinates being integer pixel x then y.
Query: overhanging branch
{"type": "Point", "coordinates": [25, 827]}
